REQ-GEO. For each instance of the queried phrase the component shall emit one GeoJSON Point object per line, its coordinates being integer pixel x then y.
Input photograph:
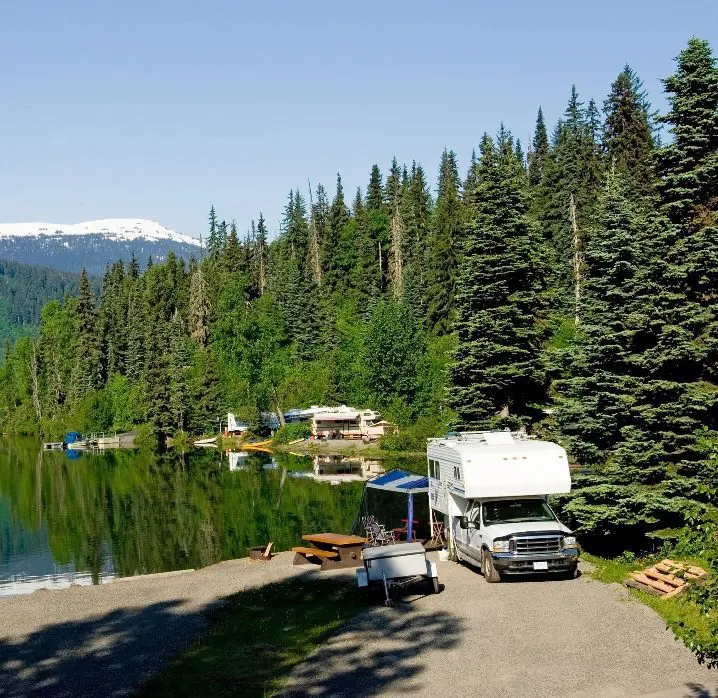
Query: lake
{"type": "Point", "coordinates": [88, 519]}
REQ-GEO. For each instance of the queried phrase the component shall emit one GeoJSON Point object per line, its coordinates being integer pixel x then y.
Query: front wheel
{"type": "Point", "coordinates": [491, 574]}
{"type": "Point", "coordinates": [435, 585]}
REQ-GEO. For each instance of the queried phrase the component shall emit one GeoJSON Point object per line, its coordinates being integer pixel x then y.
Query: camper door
{"type": "Point", "coordinates": [468, 540]}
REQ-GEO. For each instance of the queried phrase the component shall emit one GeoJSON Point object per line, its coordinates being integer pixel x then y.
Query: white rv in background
{"type": "Point", "coordinates": [492, 488]}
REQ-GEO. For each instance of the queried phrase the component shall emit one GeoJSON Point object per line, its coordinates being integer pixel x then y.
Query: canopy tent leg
{"type": "Point", "coordinates": [410, 519]}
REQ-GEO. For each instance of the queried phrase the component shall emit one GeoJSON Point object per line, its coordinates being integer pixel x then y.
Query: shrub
{"type": "Point", "coordinates": [291, 432]}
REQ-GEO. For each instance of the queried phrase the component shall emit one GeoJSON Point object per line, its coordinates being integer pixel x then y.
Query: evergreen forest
{"type": "Point", "coordinates": [566, 286]}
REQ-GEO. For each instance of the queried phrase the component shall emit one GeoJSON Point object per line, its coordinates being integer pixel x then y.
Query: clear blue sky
{"type": "Point", "coordinates": [159, 108]}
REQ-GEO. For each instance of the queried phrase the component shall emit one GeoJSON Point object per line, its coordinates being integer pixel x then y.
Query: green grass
{"type": "Point", "coordinates": [257, 637]}
{"type": "Point", "coordinates": [675, 611]}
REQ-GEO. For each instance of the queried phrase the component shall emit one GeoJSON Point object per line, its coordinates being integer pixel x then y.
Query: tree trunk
{"type": "Point", "coordinates": [35, 382]}
{"type": "Point", "coordinates": [577, 262]}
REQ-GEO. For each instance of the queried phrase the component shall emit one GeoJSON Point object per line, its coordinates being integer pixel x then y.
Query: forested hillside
{"type": "Point", "coordinates": [24, 291]}
{"type": "Point", "coordinates": [568, 287]}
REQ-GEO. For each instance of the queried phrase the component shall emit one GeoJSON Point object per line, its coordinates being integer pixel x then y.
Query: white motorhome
{"type": "Point", "coordinates": [492, 488]}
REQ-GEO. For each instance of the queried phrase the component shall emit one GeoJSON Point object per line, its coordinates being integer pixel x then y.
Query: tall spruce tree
{"type": "Point", "coordinates": [178, 369]}
{"type": "Point", "coordinates": [213, 237]}
{"type": "Point", "coordinates": [498, 371]}
{"type": "Point", "coordinates": [565, 201]}
{"type": "Point", "coordinates": [442, 253]}
{"type": "Point", "coordinates": [687, 353]}
{"type": "Point", "coordinates": [86, 376]}
{"type": "Point", "coordinates": [539, 150]}
{"type": "Point", "coordinates": [333, 254]}
{"type": "Point", "coordinates": [598, 399]}
{"type": "Point", "coordinates": [627, 132]}
{"type": "Point", "coordinates": [418, 223]}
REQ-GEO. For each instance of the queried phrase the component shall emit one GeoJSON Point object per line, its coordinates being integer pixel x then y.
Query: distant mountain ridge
{"type": "Point", "coordinates": [92, 244]}
{"type": "Point", "coordinates": [24, 291]}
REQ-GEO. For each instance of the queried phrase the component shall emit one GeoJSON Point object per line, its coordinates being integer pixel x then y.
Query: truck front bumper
{"type": "Point", "coordinates": [510, 563]}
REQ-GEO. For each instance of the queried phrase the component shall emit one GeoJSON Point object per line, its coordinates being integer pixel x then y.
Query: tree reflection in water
{"type": "Point", "coordinates": [135, 512]}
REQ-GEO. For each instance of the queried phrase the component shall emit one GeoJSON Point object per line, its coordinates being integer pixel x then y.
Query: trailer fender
{"type": "Point", "coordinates": [362, 578]}
{"type": "Point", "coordinates": [431, 569]}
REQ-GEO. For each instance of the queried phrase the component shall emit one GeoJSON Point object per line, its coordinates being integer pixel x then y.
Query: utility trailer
{"type": "Point", "coordinates": [394, 568]}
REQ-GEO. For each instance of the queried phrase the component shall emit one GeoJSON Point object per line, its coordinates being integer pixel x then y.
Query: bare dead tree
{"type": "Point", "coordinates": [396, 271]}
{"type": "Point", "coordinates": [576, 244]}
{"type": "Point", "coordinates": [313, 249]}
{"type": "Point", "coordinates": [34, 377]}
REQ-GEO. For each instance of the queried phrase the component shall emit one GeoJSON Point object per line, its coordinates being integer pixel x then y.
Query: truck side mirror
{"type": "Point", "coordinates": [464, 522]}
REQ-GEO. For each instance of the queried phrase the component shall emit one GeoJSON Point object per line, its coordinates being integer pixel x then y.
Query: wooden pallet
{"type": "Point", "coordinates": [666, 578]}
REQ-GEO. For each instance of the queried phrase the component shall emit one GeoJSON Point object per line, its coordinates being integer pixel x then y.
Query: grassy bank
{"type": "Point", "coordinates": [257, 638]}
{"type": "Point", "coordinates": [679, 613]}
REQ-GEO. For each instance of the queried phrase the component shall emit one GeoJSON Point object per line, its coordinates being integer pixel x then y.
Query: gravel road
{"type": "Point", "coordinates": [547, 638]}
{"type": "Point", "coordinates": [516, 639]}
{"type": "Point", "coordinates": [105, 640]}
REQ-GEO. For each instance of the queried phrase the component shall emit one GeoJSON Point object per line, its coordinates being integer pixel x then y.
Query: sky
{"type": "Point", "coordinates": [160, 109]}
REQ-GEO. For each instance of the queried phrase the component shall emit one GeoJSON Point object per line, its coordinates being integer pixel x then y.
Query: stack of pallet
{"type": "Point", "coordinates": [667, 578]}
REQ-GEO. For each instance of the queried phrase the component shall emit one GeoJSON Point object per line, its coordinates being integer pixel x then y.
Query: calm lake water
{"type": "Point", "coordinates": [123, 513]}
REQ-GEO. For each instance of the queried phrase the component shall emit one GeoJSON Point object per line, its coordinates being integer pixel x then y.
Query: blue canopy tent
{"type": "Point", "coordinates": [402, 482]}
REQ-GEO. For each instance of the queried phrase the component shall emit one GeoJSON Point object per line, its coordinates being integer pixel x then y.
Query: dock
{"type": "Point", "coordinates": [99, 442]}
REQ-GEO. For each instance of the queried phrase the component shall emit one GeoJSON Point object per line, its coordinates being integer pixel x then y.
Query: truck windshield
{"type": "Point", "coordinates": [516, 511]}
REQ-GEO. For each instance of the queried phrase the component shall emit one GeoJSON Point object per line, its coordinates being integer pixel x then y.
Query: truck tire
{"type": "Point", "coordinates": [434, 585]}
{"type": "Point", "coordinates": [491, 574]}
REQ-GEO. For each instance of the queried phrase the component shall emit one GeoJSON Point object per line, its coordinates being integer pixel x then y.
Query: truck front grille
{"type": "Point", "coordinates": [535, 544]}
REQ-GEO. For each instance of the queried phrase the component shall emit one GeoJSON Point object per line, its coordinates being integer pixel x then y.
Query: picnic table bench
{"type": "Point", "coordinates": [330, 550]}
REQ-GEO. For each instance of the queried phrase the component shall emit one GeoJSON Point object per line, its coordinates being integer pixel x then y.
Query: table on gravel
{"type": "Point", "coordinates": [331, 550]}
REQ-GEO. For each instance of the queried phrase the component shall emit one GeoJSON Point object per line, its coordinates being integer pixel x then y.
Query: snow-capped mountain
{"type": "Point", "coordinates": [92, 244]}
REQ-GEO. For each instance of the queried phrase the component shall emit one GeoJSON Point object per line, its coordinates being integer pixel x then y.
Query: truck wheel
{"type": "Point", "coordinates": [435, 584]}
{"type": "Point", "coordinates": [491, 574]}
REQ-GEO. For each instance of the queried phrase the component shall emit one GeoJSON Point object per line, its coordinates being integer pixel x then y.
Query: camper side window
{"type": "Point", "coordinates": [434, 469]}
{"type": "Point", "coordinates": [457, 472]}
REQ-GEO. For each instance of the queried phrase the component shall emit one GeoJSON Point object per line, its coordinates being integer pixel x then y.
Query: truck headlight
{"type": "Point", "coordinates": [500, 546]}
{"type": "Point", "coordinates": [570, 542]}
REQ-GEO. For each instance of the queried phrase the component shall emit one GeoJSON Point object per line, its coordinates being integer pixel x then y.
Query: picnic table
{"type": "Point", "coordinates": [330, 550]}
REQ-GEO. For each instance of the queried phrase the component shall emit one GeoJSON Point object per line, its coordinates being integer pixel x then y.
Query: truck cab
{"type": "Point", "coordinates": [515, 536]}
{"type": "Point", "coordinates": [492, 488]}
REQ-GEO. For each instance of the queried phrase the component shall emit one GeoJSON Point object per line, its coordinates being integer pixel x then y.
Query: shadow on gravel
{"type": "Point", "coordinates": [379, 648]}
{"type": "Point", "coordinates": [695, 690]}
{"type": "Point", "coordinates": [102, 656]}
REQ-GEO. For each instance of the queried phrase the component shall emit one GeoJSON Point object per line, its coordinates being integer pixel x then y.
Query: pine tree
{"type": "Point", "coordinates": [418, 225]}
{"type": "Point", "coordinates": [392, 190]}
{"type": "Point", "coordinates": [178, 366]}
{"type": "Point", "coordinates": [86, 375]}
{"type": "Point", "coordinates": [687, 353]}
{"type": "Point", "coordinates": [364, 277]}
{"type": "Point", "coordinates": [375, 190]}
{"type": "Point", "coordinates": [155, 379]}
{"type": "Point", "coordinates": [599, 398]}
{"type": "Point", "coordinates": [442, 254]}
{"type": "Point", "coordinates": [498, 368]}
{"type": "Point", "coordinates": [232, 253]}
{"type": "Point", "coordinates": [221, 236]}
{"type": "Point", "coordinates": [213, 239]}
{"type": "Point", "coordinates": [627, 133]}
{"type": "Point", "coordinates": [573, 169]}
{"type": "Point", "coordinates": [332, 253]}
{"type": "Point", "coordinates": [137, 321]}
{"type": "Point", "coordinates": [539, 150]}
